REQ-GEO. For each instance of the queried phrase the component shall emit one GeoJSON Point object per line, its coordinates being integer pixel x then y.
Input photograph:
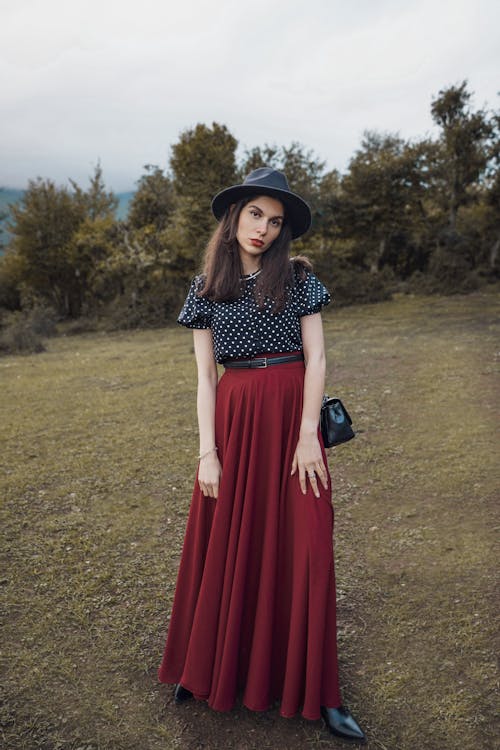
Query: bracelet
{"type": "Point", "coordinates": [202, 455]}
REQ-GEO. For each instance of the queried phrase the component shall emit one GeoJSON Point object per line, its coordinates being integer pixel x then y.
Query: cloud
{"type": "Point", "coordinates": [120, 80]}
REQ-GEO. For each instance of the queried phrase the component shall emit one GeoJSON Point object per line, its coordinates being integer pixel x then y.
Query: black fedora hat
{"type": "Point", "coordinates": [266, 181]}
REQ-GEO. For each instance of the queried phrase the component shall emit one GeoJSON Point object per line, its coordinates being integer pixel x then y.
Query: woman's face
{"type": "Point", "coordinates": [259, 224]}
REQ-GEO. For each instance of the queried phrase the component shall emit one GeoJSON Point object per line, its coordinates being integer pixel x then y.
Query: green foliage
{"type": "Point", "coordinates": [202, 162]}
{"type": "Point", "coordinates": [465, 136]}
{"type": "Point", "coordinates": [22, 332]}
{"type": "Point", "coordinates": [350, 285]}
{"type": "Point", "coordinates": [3, 216]}
{"type": "Point", "coordinates": [153, 201]}
{"type": "Point", "coordinates": [96, 201]}
{"type": "Point", "coordinates": [56, 240]}
{"type": "Point", "coordinates": [91, 250]}
{"type": "Point", "coordinates": [448, 272]}
{"type": "Point", "coordinates": [380, 202]}
{"type": "Point", "coordinates": [11, 277]}
{"type": "Point", "coordinates": [43, 225]}
{"type": "Point", "coordinates": [490, 225]}
{"type": "Point", "coordinates": [422, 215]}
{"type": "Point", "coordinates": [136, 283]}
{"type": "Point", "coordinates": [326, 210]}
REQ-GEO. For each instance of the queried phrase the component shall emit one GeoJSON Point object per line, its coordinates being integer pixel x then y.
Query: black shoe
{"type": "Point", "coordinates": [340, 722]}
{"type": "Point", "coordinates": [181, 694]}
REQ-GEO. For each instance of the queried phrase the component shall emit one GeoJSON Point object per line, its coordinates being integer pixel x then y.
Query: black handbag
{"type": "Point", "coordinates": [335, 422]}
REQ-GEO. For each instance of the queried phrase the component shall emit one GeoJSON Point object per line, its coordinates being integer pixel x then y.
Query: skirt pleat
{"type": "Point", "coordinates": [254, 608]}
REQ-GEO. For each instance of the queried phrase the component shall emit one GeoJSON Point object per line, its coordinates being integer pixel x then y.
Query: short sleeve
{"type": "Point", "coordinates": [310, 295]}
{"type": "Point", "coordinates": [197, 311]}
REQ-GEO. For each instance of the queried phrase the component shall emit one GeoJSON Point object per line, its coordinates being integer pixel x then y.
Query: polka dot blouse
{"type": "Point", "coordinates": [240, 329]}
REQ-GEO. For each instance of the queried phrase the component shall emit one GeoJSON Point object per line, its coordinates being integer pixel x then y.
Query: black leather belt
{"type": "Point", "coordinates": [258, 363]}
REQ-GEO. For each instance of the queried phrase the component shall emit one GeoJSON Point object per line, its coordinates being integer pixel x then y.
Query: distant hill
{"type": "Point", "coordinates": [123, 202]}
{"type": "Point", "coordinates": [9, 196]}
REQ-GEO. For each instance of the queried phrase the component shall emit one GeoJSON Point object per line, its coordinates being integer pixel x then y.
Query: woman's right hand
{"type": "Point", "coordinates": [209, 472]}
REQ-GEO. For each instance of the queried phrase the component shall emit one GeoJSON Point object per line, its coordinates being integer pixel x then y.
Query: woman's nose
{"type": "Point", "coordinates": [263, 226]}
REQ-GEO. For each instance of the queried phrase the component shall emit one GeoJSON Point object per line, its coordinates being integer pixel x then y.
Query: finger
{"type": "Point", "coordinates": [216, 490]}
{"type": "Point", "coordinates": [314, 483]}
{"type": "Point", "coordinates": [321, 472]}
{"type": "Point", "coordinates": [302, 480]}
{"type": "Point", "coordinates": [294, 465]}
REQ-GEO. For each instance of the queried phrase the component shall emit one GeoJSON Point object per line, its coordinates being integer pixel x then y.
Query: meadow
{"type": "Point", "coordinates": [98, 455]}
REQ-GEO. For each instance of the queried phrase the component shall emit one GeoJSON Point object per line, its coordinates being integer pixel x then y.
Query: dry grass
{"type": "Point", "coordinates": [98, 453]}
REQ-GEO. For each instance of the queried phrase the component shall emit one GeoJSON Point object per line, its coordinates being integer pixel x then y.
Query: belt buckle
{"type": "Point", "coordinates": [260, 363]}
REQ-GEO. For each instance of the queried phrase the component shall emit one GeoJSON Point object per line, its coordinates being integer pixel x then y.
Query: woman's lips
{"type": "Point", "coordinates": [257, 243]}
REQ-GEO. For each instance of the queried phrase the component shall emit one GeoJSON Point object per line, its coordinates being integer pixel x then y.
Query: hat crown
{"type": "Point", "coordinates": [267, 177]}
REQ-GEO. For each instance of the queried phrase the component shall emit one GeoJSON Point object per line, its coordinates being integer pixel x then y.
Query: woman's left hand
{"type": "Point", "coordinates": [308, 459]}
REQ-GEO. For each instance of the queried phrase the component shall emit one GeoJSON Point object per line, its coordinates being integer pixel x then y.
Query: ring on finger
{"type": "Point", "coordinates": [311, 475]}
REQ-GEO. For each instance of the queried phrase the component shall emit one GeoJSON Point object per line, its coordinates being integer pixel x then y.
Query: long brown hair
{"type": "Point", "coordinates": [222, 268]}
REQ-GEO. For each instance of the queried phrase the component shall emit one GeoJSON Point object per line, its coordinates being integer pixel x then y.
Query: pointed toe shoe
{"type": "Point", "coordinates": [181, 695]}
{"type": "Point", "coordinates": [341, 723]}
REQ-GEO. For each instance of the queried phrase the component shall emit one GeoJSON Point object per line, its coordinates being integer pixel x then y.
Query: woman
{"type": "Point", "coordinates": [254, 608]}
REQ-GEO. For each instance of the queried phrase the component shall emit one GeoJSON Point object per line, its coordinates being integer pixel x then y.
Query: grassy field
{"type": "Point", "coordinates": [98, 456]}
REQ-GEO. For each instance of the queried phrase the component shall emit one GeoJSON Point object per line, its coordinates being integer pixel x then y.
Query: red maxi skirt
{"type": "Point", "coordinates": [254, 607]}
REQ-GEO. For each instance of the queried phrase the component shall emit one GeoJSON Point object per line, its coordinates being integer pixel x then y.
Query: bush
{"type": "Point", "coordinates": [22, 332]}
{"type": "Point", "coordinates": [352, 285]}
{"type": "Point", "coordinates": [83, 324]}
{"type": "Point", "coordinates": [451, 268]}
{"type": "Point", "coordinates": [11, 274]}
{"type": "Point", "coordinates": [158, 302]}
{"type": "Point", "coordinates": [448, 273]}
{"type": "Point", "coordinates": [42, 320]}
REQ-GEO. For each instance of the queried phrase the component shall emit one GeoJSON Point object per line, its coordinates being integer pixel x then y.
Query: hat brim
{"type": "Point", "coordinates": [298, 213]}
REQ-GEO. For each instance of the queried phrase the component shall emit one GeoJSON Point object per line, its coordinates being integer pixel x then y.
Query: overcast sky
{"type": "Point", "coordinates": [116, 80]}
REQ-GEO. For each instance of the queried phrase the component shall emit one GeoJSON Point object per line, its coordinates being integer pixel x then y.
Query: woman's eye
{"type": "Point", "coordinates": [254, 213]}
{"type": "Point", "coordinates": [276, 222]}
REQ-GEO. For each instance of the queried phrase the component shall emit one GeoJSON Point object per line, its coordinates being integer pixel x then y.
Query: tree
{"type": "Point", "coordinates": [96, 201]}
{"type": "Point", "coordinates": [53, 230]}
{"type": "Point", "coordinates": [3, 216]}
{"type": "Point", "coordinates": [464, 138]}
{"type": "Point", "coordinates": [380, 205]}
{"type": "Point", "coordinates": [89, 250]}
{"type": "Point", "coordinates": [479, 219]}
{"type": "Point", "coordinates": [42, 225]}
{"type": "Point", "coordinates": [11, 277]}
{"type": "Point", "coordinates": [260, 156]}
{"type": "Point", "coordinates": [492, 197]}
{"type": "Point", "coordinates": [202, 163]}
{"type": "Point", "coordinates": [153, 202]}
